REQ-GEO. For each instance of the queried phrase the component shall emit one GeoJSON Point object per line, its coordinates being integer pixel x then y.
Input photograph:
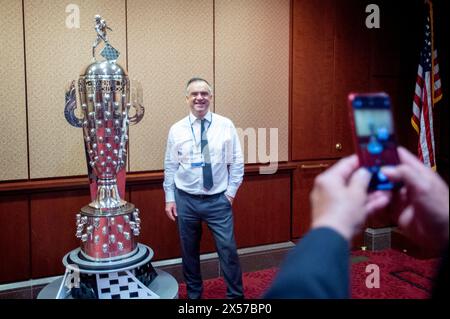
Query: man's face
{"type": "Point", "coordinates": [198, 98]}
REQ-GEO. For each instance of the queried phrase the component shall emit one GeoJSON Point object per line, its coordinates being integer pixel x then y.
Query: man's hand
{"type": "Point", "coordinates": [230, 199]}
{"type": "Point", "coordinates": [340, 200]}
{"type": "Point", "coordinates": [423, 206]}
{"type": "Point", "coordinates": [171, 210]}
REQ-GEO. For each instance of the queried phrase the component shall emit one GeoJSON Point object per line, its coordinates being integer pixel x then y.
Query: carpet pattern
{"type": "Point", "coordinates": [255, 283]}
{"type": "Point", "coordinates": [401, 277]}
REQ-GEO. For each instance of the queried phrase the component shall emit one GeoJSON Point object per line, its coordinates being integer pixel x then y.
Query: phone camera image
{"type": "Point", "coordinates": [374, 135]}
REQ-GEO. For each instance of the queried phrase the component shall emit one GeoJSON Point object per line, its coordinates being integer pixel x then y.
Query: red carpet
{"type": "Point", "coordinates": [401, 277]}
{"type": "Point", "coordinates": [255, 283]}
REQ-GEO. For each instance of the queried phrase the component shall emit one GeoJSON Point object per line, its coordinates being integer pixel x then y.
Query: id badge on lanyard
{"type": "Point", "coordinates": [197, 157]}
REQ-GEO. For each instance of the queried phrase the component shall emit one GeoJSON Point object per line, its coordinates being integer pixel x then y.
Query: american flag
{"type": "Point", "coordinates": [427, 93]}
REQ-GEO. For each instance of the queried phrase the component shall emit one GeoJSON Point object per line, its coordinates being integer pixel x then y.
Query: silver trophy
{"type": "Point", "coordinates": [109, 226]}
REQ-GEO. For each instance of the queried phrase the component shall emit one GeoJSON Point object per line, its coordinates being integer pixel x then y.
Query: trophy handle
{"type": "Point", "coordinates": [137, 98]}
{"type": "Point", "coordinates": [71, 105]}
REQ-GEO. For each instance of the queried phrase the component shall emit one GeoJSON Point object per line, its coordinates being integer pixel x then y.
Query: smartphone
{"type": "Point", "coordinates": [374, 135]}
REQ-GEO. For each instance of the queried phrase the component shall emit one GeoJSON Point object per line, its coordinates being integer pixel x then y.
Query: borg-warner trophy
{"type": "Point", "coordinates": [110, 263]}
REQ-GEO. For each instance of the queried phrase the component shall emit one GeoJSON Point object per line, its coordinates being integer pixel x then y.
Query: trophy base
{"type": "Point", "coordinates": [127, 278]}
{"type": "Point", "coordinates": [142, 255]}
{"type": "Point", "coordinates": [108, 234]}
{"type": "Point", "coordinates": [164, 285]}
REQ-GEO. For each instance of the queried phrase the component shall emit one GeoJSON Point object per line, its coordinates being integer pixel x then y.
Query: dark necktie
{"type": "Point", "coordinates": [207, 171]}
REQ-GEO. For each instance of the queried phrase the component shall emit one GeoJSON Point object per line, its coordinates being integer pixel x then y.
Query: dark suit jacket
{"type": "Point", "coordinates": [318, 267]}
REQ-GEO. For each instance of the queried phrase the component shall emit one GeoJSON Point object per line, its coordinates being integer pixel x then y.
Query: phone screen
{"type": "Point", "coordinates": [375, 135]}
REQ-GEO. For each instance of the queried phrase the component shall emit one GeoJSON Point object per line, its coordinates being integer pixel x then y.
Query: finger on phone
{"type": "Point", "coordinates": [409, 159]}
{"type": "Point", "coordinates": [401, 173]}
{"type": "Point", "coordinates": [360, 179]}
{"type": "Point", "coordinates": [377, 201]}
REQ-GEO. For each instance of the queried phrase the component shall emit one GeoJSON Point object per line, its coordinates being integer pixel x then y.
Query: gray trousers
{"type": "Point", "coordinates": [216, 211]}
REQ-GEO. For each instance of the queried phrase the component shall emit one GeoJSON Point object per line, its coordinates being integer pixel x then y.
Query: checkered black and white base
{"type": "Point", "coordinates": [122, 285]}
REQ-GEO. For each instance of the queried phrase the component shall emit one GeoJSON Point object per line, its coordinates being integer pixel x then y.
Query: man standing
{"type": "Point", "coordinates": [203, 169]}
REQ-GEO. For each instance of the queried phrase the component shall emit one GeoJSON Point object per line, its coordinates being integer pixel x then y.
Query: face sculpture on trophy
{"type": "Point", "coordinates": [108, 227]}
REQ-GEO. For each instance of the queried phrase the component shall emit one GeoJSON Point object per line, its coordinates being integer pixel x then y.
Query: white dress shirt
{"type": "Point", "coordinates": [183, 145]}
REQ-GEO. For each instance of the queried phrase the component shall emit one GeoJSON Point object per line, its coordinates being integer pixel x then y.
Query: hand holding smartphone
{"type": "Point", "coordinates": [374, 135]}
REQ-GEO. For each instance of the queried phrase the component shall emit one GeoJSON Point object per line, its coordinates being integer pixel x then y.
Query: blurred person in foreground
{"type": "Point", "coordinates": [319, 266]}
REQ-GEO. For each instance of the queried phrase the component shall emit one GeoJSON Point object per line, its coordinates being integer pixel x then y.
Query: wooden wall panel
{"type": "Point", "coordinates": [14, 238]}
{"type": "Point", "coordinates": [53, 229]}
{"type": "Point", "coordinates": [169, 42]}
{"type": "Point", "coordinates": [351, 69]}
{"type": "Point", "coordinates": [302, 184]}
{"type": "Point", "coordinates": [262, 210]}
{"type": "Point", "coordinates": [385, 44]}
{"type": "Point", "coordinates": [330, 59]}
{"type": "Point", "coordinates": [56, 55]}
{"type": "Point", "coordinates": [13, 139]}
{"type": "Point", "coordinates": [157, 230]}
{"type": "Point", "coordinates": [312, 78]}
